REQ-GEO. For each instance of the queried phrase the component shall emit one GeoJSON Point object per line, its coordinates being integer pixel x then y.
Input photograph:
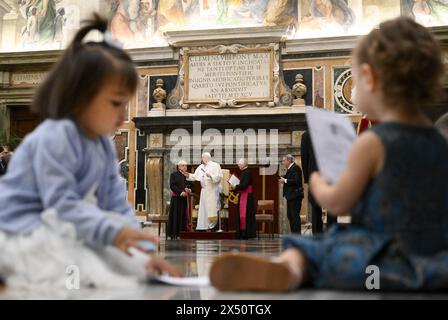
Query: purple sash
{"type": "Point", "coordinates": [244, 194]}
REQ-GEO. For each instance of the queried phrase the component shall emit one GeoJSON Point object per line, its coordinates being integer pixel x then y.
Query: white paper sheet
{"type": "Point", "coordinates": [182, 282]}
{"type": "Point", "coordinates": [332, 136]}
{"type": "Point", "coordinates": [234, 181]}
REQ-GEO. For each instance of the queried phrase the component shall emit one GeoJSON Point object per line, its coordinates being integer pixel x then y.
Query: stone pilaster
{"type": "Point", "coordinates": [5, 8]}
{"type": "Point", "coordinates": [11, 24]}
{"type": "Point", "coordinates": [155, 175]}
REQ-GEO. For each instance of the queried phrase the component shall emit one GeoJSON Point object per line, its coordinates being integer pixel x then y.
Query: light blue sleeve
{"type": "Point", "coordinates": [55, 164]}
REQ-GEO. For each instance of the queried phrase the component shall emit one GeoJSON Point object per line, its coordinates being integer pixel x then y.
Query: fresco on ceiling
{"type": "Point", "coordinates": [50, 24]}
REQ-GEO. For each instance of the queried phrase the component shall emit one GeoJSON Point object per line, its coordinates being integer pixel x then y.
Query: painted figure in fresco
{"type": "Point", "coordinates": [267, 12]}
{"type": "Point", "coordinates": [124, 22]}
{"type": "Point", "coordinates": [329, 15]}
{"type": "Point", "coordinates": [59, 23]}
{"type": "Point", "coordinates": [191, 11]}
{"type": "Point", "coordinates": [321, 8]}
{"type": "Point", "coordinates": [223, 11]}
{"type": "Point", "coordinates": [29, 33]}
{"type": "Point", "coordinates": [46, 15]}
{"type": "Point", "coordinates": [147, 17]}
{"type": "Point", "coordinates": [426, 12]}
{"type": "Point", "coordinates": [282, 13]}
{"type": "Point", "coordinates": [133, 20]}
{"type": "Point", "coordinates": [181, 14]}
{"type": "Point", "coordinates": [255, 9]}
{"type": "Point", "coordinates": [40, 16]}
{"type": "Point", "coordinates": [170, 15]}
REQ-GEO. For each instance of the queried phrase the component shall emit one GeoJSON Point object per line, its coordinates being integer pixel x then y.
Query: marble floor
{"type": "Point", "coordinates": [194, 258]}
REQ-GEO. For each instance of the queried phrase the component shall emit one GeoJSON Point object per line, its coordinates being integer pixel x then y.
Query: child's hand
{"type": "Point", "coordinates": [159, 265]}
{"type": "Point", "coordinates": [129, 237]}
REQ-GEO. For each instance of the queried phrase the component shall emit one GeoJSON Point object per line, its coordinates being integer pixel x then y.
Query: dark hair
{"type": "Point", "coordinates": [407, 59]}
{"type": "Point", "coordinates": [11, 146]}
{"type": "Point", "coordinates": [442, 125]}
{"type": "Point", "coordinates": [81, 72]}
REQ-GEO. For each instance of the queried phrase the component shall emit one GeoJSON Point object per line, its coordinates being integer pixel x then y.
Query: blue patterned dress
{"type": "Point", "coordinates": [400, 224]}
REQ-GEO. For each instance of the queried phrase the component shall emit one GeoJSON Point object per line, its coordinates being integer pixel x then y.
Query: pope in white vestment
{"type": "Point", "coordinates": [210, 175]}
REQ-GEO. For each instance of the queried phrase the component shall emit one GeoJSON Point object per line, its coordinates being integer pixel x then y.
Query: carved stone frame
{"type": "Point", "coordinates": [279, 94]}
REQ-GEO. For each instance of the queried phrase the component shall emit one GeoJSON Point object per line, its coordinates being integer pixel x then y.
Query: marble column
{"type": "Point", "coordinates": [5, 8]}
{"type": "Point", "coordinates": [154, 167]}
{"type": "Point", "coordinates": [154, 174]}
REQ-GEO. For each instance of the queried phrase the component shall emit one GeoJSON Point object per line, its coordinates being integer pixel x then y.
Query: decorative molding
{"type": "Point", "coordinates": [48, 57]}
{"type": "Point", "coordinates": [340, 85]}
{"type": "Point", "coordinates": [156, 140]}
{"type": "Point", "coordinates": [125, 161]}
{"type": "Point", "coordinates": [313, 45]}
{"type": "Point", "coordinates": [28, 78]}
{"type": "Point", "coordinates": [189, 38]}
{"type": "Point", "coordinates": [5, 7]}
{"type": "Point", "coordinates": [283, 122]}
{"type": "Point", "coordinates": [247, 110]}
{"type": "Point", "coordinates": [35, 58]}
{"type": "Point", "coordinates": [152, 54]}
{"type": "Point", "coordinates": [16, 95]}
{"type": "Point", "coordinates": [344, 43]}
{"type": "Point", "coordinates": [296, 138]}
{"type": "Point", "coordinates": [4, 79]}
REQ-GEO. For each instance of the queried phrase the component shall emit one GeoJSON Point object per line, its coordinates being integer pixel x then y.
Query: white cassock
{"type": "Point", "coordinates": [209, 203]}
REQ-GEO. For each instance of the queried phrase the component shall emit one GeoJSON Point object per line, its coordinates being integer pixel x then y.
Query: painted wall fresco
{"type": "Point", "coordinates": [50, 24]}
{"type": "Point", "coordinates": [426, 12]}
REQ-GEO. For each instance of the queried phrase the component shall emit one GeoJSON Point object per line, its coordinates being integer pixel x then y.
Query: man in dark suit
{"type": "Point", "coordinates": [309, 165]}
{"type": "Point", "coordinates": [3, 161]}
{"type": "Point", "coordinates": [293, 192]}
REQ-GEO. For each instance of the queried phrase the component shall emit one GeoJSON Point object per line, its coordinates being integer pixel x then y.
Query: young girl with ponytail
{"type": "Point", "coordinates": [63, 204]}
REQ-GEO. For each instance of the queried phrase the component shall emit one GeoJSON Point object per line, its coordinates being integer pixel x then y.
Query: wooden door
{"type": "Point", "coordinates": [22, 121]}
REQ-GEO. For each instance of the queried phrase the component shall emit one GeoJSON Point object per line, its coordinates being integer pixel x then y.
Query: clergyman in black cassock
{"type": "Point", "coordinates": [179, 217]}
{"type": "Point", "coordinates": [245, 220]}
